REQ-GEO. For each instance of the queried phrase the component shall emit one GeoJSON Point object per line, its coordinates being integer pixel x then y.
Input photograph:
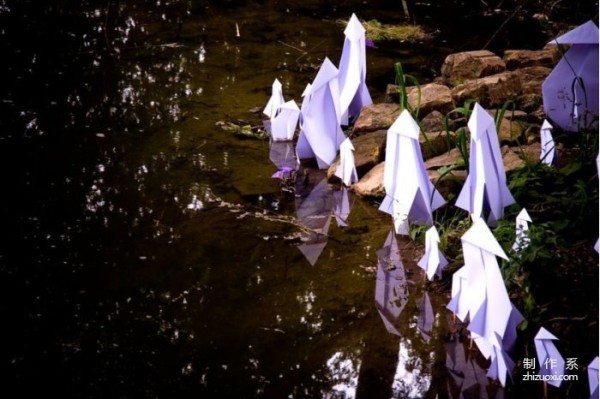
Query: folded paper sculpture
{"type": "Point", "coordinates": [354, 93]}
{"type": "Point", "coordinates": [283, 125]}
{"type": "Point", "coordinates": [409, 195]}
{"type": "Point", "coordinates": [320, 131]}
{"type": "Point", "coordinates": [346, 169]}
{"type": "Point", "coordinates": [570, 92]}
{"type": "Point", "coordinates": [275, 101]}
{"type": "Point", "coordinates": [522, 230]}
{"type": "Point", "coordinates": [550, 361]}
{"type": "Point", "coordinates": [485, 193]}
{"type": "Point", "coordinates": [433, 261]}
{"type": "Point", "coordinates": [548, 148]}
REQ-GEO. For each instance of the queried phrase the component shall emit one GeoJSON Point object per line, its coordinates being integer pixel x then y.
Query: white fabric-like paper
{"type": "Point", "coordinates": [275, 101]}
{"type": "Point", "coordinates": [547, 143]}
{"type": "Point", "coordinates": [321, 133]}
{"type": "Point", "coordinates": [485, 190]}
{"type": "Point", "coordinates": [346, 169]}
{"type": "Point", "coordinates": [549, 358]}
{"type": "Point", "coordinates": [354, 93]}
{"type": "Point", "coordinates": [410, 196]}
{"type": "Point", "coordinates": [522, 239]}
{"type": "Point", "coordinates": [283, 125]}
{"type": "Point", "coordinates": [433, 261]}
{"type": "Point", "coordinates": [592, 371]}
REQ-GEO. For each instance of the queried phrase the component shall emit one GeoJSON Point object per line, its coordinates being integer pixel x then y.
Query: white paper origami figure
{"type": "Point", "coordinates": [485, 191]}
{"type": "Point", "coordinates": [410, 197]}
{"type": "Point", "coordinates": [549, 358]}
{"type": "Point", "coordinates": [547, 144]}
{"type": "Point", "coordinates": [303, 149]}
{"type": "Point", "coordinates": [283, 125]}
{"type": "Point", "coordinates": [354, 93]}
{"type": "Point", "coordinates": [346, 169]}
{"type": "Point", "coordinates": [490, 316]}
{"type": "Point", "coordinates": [592, 371]}
{"type": "Point", "coordinates": [391, 286]}
{"type": "Point", "coordinates": [463, 289]}
{"type": "Point", "coordinates": [321, 133]}
{"type": "Point", "coordinates": [276, 100]}
{"type": "Point", "coordinates": [522, 239]}
{"type": "Point", "coordinates": [570, 92]}
{"type": "Point", "coordinates": [433, 261]}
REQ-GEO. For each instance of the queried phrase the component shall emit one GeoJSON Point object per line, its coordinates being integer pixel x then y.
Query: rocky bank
{"type": "Point", "coordinates": [480, 76]}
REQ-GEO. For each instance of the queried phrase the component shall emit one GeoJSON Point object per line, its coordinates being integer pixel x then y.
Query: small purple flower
{"type": "Point", "coordinates": [369, 43]}
{"type": "Point", "coordinates": [284, 172]}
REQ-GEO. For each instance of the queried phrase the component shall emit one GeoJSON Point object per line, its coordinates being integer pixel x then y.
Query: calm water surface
{"type": "Point", "coordinates": [148, 253]}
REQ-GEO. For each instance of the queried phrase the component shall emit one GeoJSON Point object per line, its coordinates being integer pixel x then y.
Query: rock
{"type": "Point", "coordinates": [529, 102]}
{"type": "Point", "coordinates": [369, 150]}
{"type": "Point", "coordinates": [432, 97]}
{"type": "Point", "coordinates": [490, 91]}
{"type": "Point", "coordinates": [452, 157]}
{"type": "Point", "coordinates": [459, 67]}
{"type": "Point", "coordinates": [510, 131]}
{"type": "Point", "coordinates": [371, 184]}
{"type": "Point", "coordinates": [427, 98]}
{"type": "Point", "coordinates": [433, 121]}
{"type": "Point", "coordinates": [546, 57]}
{"type": "Point", "coordinates": [512, 161]}
{"type": "Point", "coordinates": [375, 117]}
{"type": "Point", "coordinates": [448, 183]}
{"type": "Point", "coordinates": [434, 143]}
{"type": "Point", "coordinates": [531, 78]}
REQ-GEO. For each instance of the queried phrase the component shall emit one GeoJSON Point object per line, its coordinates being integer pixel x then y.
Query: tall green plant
{"type": "Point", "coordinates": [401, 81]}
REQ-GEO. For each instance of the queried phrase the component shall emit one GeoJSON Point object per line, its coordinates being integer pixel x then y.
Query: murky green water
{"type": "Point", "coordinates": [150, 253]}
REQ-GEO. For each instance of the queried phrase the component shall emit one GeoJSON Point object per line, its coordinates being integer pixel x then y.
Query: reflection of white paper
{"type": "Point", "coordinates": [547, 143]}
{"type": "Point", "coordinates": [314, 212]}
{"type": "Point", "coordinates": [275, 100]}
{"type": "Point", "coordinates": [346, 169]}
{"type": "Point", "coordinates": [320, 132]}
{"type": "Point", "coordinates": [283, 126]}
{"type": "Point", "coordinates": [391, 287]}
{"type": "Point", "coordinates": [410, 196]}
{"type": "Point", "coordinates": [550, 361]}
{"type": "Point", "coordinates": [485, 190]}
{"type": "Point", "coordinates": [354, 93]}
{"type": "Point", "coordinates": [501, 365]}
{"type": "Point", "coordinates": [433, 261]}
{"type": "Point", "coordinates": [342, 206]}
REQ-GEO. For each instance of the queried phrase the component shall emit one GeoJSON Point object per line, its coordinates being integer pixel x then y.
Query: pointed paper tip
{"type": "Point", "coordinates": [546, 125]}
{"type": "Point", "coordinates": [544, 334]}
{"type": "Point", "coordinates": [406, 126]}
{"type": "Point", "coordinates": [432, 234]}
{"type": "Point", "coordinates": [479, 121]}
{"type": "Point", "coordinates": [586, 33]}
{"type": "Point", "coordinates": [523, 215]}
{"type": "Point", "coordinates": [480, 236]}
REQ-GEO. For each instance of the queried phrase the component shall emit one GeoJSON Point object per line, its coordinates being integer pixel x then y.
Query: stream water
{"type": "Point", "coordinates": [149, 253]}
